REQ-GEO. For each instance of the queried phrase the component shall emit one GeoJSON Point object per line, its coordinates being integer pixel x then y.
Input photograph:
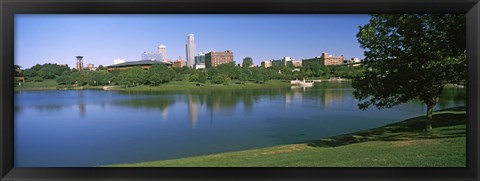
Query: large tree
{"type": "Point", "coordinates": [410, 56]}
{"type": "Point", "coordinates": [132, 77]}
{"type": "Point", "coordinates": [159, 74]}
{"type": "Point", "coordinates": [247, 62]}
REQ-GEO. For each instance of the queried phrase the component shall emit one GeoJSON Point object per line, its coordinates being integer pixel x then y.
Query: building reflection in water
{"type": "Point", "coordinates": [327, 95]}
{"type": "Point", "coordinates": [294, 96]}
{"type": "Point", "coordinates": [82, 108]}
{"type": "Point", "coordinates": [161, 104]}
{"type": "Point", "coordinates": [164, 113]}
{"type": "Point", "coordinates": [332, 97]}
{"type": "Point", "coordinates": [192, 110]}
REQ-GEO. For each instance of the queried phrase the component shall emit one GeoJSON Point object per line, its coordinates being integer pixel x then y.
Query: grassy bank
{"type": "Point", "coordinates": [402, 144]}
{"type": "Point", "coordinates": [44, 85]}
{"type": "Point", "coordinates": [170, 86]}
{"type": "Point", "coordinates": [185, 85]}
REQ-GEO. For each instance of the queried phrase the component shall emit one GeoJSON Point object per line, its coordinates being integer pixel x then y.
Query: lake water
{"type": "Point", "coordinates": [91, 128]}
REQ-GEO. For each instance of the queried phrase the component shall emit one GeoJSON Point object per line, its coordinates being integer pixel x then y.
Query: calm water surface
{"type": "Point", "coordinates": [91, 128]}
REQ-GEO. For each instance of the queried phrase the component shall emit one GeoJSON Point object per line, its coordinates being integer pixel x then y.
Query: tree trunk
{"type": "Point", "coordinates": [428, 121]}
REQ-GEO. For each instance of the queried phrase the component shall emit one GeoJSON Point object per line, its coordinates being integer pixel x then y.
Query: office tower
{"type": "Point", "coordinates": [190, 46]}
{"type": "Point", "coordinates": [163, 50]}
{"type": "Point", "coordinates": [79, 64]}
{"type": "Point", "coordinates": [200, 61]}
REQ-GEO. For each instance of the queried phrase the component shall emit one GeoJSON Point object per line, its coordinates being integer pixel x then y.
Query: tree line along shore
{"type": "Point", "coordinates": [159, 77]}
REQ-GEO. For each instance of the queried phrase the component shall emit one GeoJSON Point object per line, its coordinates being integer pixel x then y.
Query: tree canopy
{"type": "Point", "coordinates": [247, 62]}
{"type": "Point", "coordinates": [46, 71]}
{"type": "Point", "coordinates": [410, 56]}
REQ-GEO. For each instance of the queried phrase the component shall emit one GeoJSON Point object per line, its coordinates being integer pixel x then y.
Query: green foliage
{"type": "Point", "coordinates": [260, 78]}
{"type": "Point", "coordinates": [212, 72]}
{"type": "Point", "coordinates": [36, 67]}
{"type": "Point", "coordinates": [79, 78]}
{"type": "Point", "coordinates": [410, 56]}
{"type": "Point", "coordinates": [30, 73]}
{"type": "Point", "coordinates": [221, 79]}
{"type": "Point", "coordinates": [247, 62]}
{"type": "Point", "coordinates": [182, 73]}
{"type": "Point", "coordinates": [243, 77]}
{"type": "Point", "coordinates": [198, 76]}
{"type": "Point", "coordinates": [101, 67]}
{"type": "Point", "coordinates": [35, 79]}
{"type": "Point", "coordinates": [64, 80]}
{"type": "Point", "coordinates": [202, 77]}
{"type": "Point", "coordinates": [99, 77]}
{"type": "Point", "coordinates": [159, 74]}
{"type": "Point", "coordinates": [46, 71]}
{"type": "Point", "coordinates": [193, 77]}
{"type": "Point", "coordinates": [132, 77]}
{"type": "Point", "coordinates": [229, 70]}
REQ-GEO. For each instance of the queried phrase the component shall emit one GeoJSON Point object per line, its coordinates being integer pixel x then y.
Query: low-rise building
{"type": "Point", "coordinates": [266, 64]}
{"type": "Point", "coordinates": [285, 61]}
{"type": "Point", "coordinates": [354, 62]}
{"type": "Point", "coordinates": [145, 64]}
{"type": "Point", "coordinates": [213, 59]}
{"type": "Point", "coordinates": [18, 75]}
{"type": "Point", "coordinates": [325, 60]}
{"type": "Point", "coordinates": [297, 63]}
{"type": "Point", "coordinates": [179, 63]}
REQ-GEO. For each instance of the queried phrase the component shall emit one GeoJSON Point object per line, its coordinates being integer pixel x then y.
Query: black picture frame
{"type": "Point", "coordinates": [9, 8]}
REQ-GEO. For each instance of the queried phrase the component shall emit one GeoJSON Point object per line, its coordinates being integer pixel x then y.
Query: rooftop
{"type": "Point", "coordinates": [139, 63]}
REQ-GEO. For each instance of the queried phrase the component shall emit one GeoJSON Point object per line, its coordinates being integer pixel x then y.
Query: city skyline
{"type": "Point", "coordinates": [101, 39]}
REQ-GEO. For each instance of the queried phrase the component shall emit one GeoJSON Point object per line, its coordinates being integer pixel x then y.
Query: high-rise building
{"type": "Point", "coordinates": [213, 59]}
{"type": "Point", "coordinates": [200, 61]}
{"type": "Point", "coordinates": [79, 65]}
{"type": "Point", "coordinates": [163, 50]}
{"type": "Point", "coordinates": [190, 47]}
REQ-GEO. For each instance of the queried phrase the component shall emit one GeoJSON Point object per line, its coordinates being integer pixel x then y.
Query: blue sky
{"type": "Point", "coordinates": [100, 39]}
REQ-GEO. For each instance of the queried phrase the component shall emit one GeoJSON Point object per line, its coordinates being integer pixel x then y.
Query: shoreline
{"type": "Point", "coordinates": [176, 86]}
{"type": "Point", "coordinates": [171, 86]}
{"type": "Point", "coordinates": [408, 135]}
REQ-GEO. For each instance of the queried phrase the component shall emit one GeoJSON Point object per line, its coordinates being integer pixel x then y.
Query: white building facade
{"type": "Point", "coordinates": [190, 47]}
{"type": "Point", "coordinates": [200, 61]}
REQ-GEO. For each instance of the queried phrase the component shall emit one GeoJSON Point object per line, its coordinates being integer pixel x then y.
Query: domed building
{"type": "Point", "coordinates": [145, 64]}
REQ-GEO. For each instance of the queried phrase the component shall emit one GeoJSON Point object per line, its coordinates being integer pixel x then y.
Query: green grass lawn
{"type": "Point", "coordinates": [170, 86]}
{"type": "Point", "coordinates": [402, 144]}
{"type": "Point", "coordinates": [46, 84]}
{"type": "Point", "coordinates": [185, 85]}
